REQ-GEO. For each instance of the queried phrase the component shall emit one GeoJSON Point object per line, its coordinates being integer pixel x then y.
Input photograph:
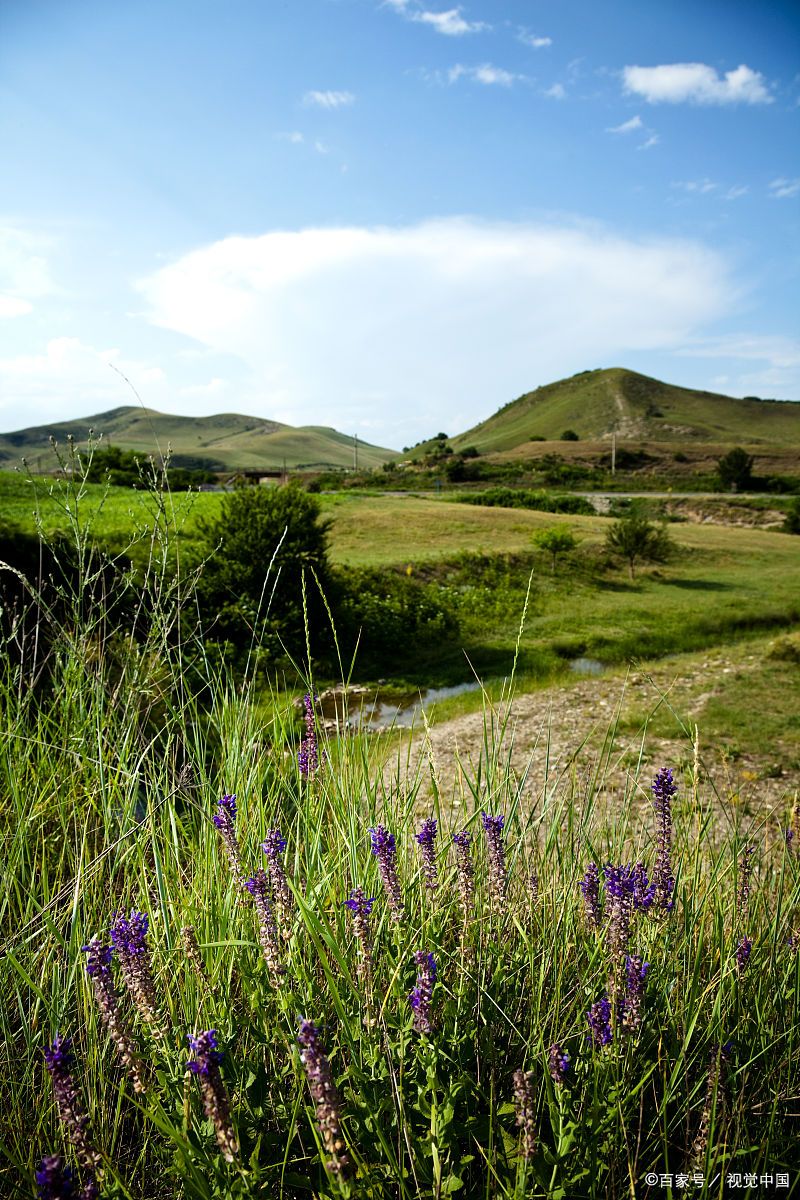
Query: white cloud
{"type": "Point", "coordinates": [294, 136]}
{"type": "Point", "coordinates": [68, 377]}
{"type": "Point", "coordinates": [626, 126]}
{"type": "Point", "coordinates": [451, 23]}
{"type": "Point", "coordinates": [696, 83]}
{"type": "Point", "coordinates": [736, 192]}
{"type": "Point", "coordinates": [328, 100]}
{"type": "Point", "coordinates": [699, 186]}
{"type": "Point", "coordinates": [756, 347]}
{"type": "Point", "coordinates": [24, 271]}
{"type": "Point", "coordinates": [452, 316]}
{"type": "Point", "coordinates": [14, 306]}
{"type": "Point", "coordinates": [556, 92]}
{"type": "Point", "coordinates": [532, 40]}
{"type": "Point", "coordinates": [653, 140]}
{"type": "Point", "coordinates": [485, 73]}
{"type": "Point", "coordinates": [781, 189]}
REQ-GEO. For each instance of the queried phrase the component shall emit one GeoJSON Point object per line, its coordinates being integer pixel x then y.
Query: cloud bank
{"type": "Point", "coordinates": [404, 328]}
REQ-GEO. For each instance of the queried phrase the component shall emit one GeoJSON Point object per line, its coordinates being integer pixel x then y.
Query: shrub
{"type": "Point", "coordinates": [636, 539]}
{"type": "Point", "coordinates": [525, 498]}
{"type": "Point", "coordinates": [569, 435]}
{"type": "Point", "coordinates": [267, 543]}
{"type": "Point", "coordinates": [791, 522]}
{"type": "Point", "coordinates": [735, 470]}
{"type": "Point", "coordinates": [555, 541]}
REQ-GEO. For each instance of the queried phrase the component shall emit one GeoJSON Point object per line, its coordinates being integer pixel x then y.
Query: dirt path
{"type": "Point", "coordinates": [563, 728]}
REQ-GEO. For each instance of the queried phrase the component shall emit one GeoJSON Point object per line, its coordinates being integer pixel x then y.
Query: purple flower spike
{"type": "Point", "coordinates": [225, 821]}
{"type": "Point", "coordinates": [273, 848]}
{"type": "Point", "coordinates": [664, 790]}
{"type": "Point", "coordinates": [558, 1064]}
{"type": "Point", "coordinates": [421, 998]}
{"type": "Point", "coordinates": [225, 818]}
{"type": "Point", "coordinates": [385, 850]}
{"type": "Point", "coordinates": [54, 1180]}
{"type": "Point", "coordinates": [216, 1105]}
{"type": "Point", "coordinates": [426, 838]}
{"type": "Point", "coordinates": [98, 968]}
{"type": "Point", "coordinates": [466, 875]}
{"type": "Point", "coordinates": [258, 887]}
{"type": "Point", "coordinates": [743, 951]}
{"type": "Point", "coordinates": [59, 1060]}
{"type": "Point", "coordinates": [308, 754]}
{"type": "Point", "coordinates": [745, 866]}
{"type": "Point", "coordinates": [360, 905]}
{"type": "Point", "coordinates": [592, 903]}
{"type": "Point", "coordinates": [599, 1018]}
{"type": "Point", "coordinates": [493, 829]}
{"type": "Point", "coordinates": [525, 1105]}
{"type": "Point", "coordinates": [631, 1003]}
{"type": "Point", "coordinates": [327, 1104]}
{"type": "Point", "coordinates": [628, 889]}
{"type": "Point", "coordinates": [129, 940]}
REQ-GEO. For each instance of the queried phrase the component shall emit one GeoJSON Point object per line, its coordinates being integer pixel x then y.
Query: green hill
{"type": "Point", "coordinates": [223, 442]}
{"type": "Point", "coordinates": [597, 403]}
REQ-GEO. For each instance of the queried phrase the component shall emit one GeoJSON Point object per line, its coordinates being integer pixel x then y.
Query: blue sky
{"type": "Point", "coordinates": [392, 217]}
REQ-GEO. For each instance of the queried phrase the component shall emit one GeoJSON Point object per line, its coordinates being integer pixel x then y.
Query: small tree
{"type": "Point", "coordinates": [735, 470]}
{"type": "Point", "coordinates": [555, 540]}
{"type": "Point", "coordinates": [259, 526]}
{"type": "Point", "coordinates": [636, 539]}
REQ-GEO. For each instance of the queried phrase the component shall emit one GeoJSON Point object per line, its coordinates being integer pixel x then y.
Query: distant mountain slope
{"type": "Point", "coordinates": [224, 442]}
{"type": "Point", "coordinates": [596, 403]}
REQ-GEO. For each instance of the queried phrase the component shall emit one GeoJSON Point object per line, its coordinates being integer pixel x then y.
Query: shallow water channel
{"type": "Point", "coordinates": [374, 710]}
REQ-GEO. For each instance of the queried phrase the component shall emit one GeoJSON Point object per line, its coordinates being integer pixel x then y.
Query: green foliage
{"type": "Point", "coordinates": [555, 541]}
{"type": "Point", "coordinates": [636, 539]}
{"type": "Point", "coordinates": [735, 470]}
{"type": "Point", "coordinates": [385, 613]}
{"type": "Point", "coordinates": [524, 498]}
{"type": "Point", "coordinates": [569, 435]}
{"type": "Point", "coordinates": [267, 546]}
{"type": "Point", "coordinates": [791, 522]}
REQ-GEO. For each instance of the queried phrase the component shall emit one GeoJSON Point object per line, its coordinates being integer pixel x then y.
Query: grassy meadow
{"type": "Point", "coordinates": [350, 982]}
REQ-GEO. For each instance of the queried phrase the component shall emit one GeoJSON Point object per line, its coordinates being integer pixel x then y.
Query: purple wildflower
{"type": "Point", "coordinates": [558, 1064]}
{"type": "Point", "coordinates": [533, 887]}
{"type": "Point", "coordinates": [627, 889]}
{"type": "Point", "coordinates": [631, 1002]}
{"type": "Point", "coordinates": [385, 850]}
{"type": "Point", "coordinates": [327, 1104]}
{"type": "Point", "coordinates": [98, 968]}
{"type": "Point", "coordinates": [225, 821]}
{"type": "Point", "coordinates": [58, 1060]}
{"type": "Point", "coordinates": [426, 839]}
{"type": "Point", "coordinates": [421, 997]}
{"type": "Point", "coordinates": [745, 865]}
{"type": "Point", "coordinates": [593, 905]}
{"type": "Point", "coordinates": [258, 887]}
{"type": "Point", "coordinates": [525, 1104]}
{"type": "Point", "coordinates": [54, 1180]}
{"type": "Point", "coordinates": [664, 789]}
{"type": "Point", "coordinates": [743, 950]}
{"type": "Point", "coordinates": [599, 1018]}
{"type": "Point", "coordinates": [465, 873]}
{"type": "Point", "coordinates": [129, 940]}
{"type": "Point", "coordinates": [493, 828]}
{"type": "Point", "coordinates": [308, 754]}
{"type": "Point", "coordinates": [216, 1105]}
{"type": "Point", "coordinates": [360, 905]}
{"type": "Point", "coordinates": [273, 848]}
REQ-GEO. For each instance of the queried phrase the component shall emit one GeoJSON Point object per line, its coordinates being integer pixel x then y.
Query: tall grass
{"type": "Point", "coordinates": [112, 769]}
